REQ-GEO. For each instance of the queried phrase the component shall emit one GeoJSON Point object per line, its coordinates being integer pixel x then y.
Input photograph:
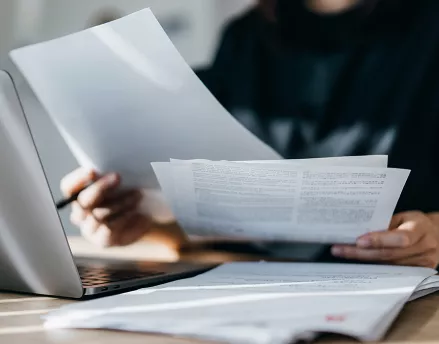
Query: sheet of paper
{"type": "Point", "coordinates": [122, 97]}
{"type": "Point", "coordinates": [423, 293]}
{"type": "Point", "coordinates": [358, 161]}
{"type": "Point", "coordinates": [427, 287]}
{"type": "Point", "coordinates": [258, 303]}
{"type": "Point", "coordinates": [164, 173]}
{"type": "Point", "coordinates": [430, 282]}
{"type": "Point", "coordinates": [287, 202]}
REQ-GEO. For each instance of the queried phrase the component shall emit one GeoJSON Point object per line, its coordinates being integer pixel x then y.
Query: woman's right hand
{"type": "Point", "coordinates": [106, 215]}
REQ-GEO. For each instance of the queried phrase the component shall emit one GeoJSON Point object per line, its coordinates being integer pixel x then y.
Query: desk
{"type": "Point", "coordinates": [20, 314]}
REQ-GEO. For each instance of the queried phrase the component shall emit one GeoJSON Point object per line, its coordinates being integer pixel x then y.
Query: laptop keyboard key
{"type": "Point", "coordinates": [98, 276]}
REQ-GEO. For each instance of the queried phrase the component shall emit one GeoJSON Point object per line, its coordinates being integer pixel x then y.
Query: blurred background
{"type": "Point", "coordinates": [193, 25]}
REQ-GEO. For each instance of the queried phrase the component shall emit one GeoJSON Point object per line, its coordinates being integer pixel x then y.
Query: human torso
{"type": "Point", "coordinates": [374, 97]}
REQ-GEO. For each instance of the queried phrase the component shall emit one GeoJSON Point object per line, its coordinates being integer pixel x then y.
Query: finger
{"type": "Point", "coordinates": [129, 202]}
{"type": "Point", "coordinates": [375, 255]}
{"type": "Point", "coordinates": [103, 237]}
{"type": "Point", "coordinates": [401, 218]}
{"type": "Point", "coordinates": [78, 215]}
{"type": "Point", "coordinates": [77, 180]}
{"type": "Point", "coordinates": [118, 195]}
{"type": "Point", "coordinates": [410, 230]}
{"type": "Point", "coordinates": [401, 238]}
{"type": "Point", "coordinates": [96, 194]}
{"type": "Point", "coordinates": [96, 233]}
{"type": "Point", "coordinates": [396, 221]}
{"type": "Point", "coordinates": [89, 226]}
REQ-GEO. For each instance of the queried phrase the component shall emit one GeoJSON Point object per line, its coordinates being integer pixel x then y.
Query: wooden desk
{"type": "Point", "coordinates": [20, 314]}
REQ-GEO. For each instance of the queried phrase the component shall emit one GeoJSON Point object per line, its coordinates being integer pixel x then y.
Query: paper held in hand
{"type": "Point", "coordinates": [122, 97]}
{"type": "Point", "coordinates": [316, 200]}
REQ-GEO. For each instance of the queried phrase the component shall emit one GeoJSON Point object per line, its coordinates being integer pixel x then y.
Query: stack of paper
{"type": "Point", "coordinates": [429, 286]}
{"type": "Point", "coordinates": [316, 200]}
{"type": "Point", "coordinates": [260, 303]}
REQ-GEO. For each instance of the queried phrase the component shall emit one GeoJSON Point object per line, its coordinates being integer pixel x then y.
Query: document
{"type": "Point", "coordinates": [357, 161]}
{"type": "Point", "coordinates": [122, 97]}
{"type": "Point", "coordinates": [263, 303]}
{"type": "Point", "coordinates": [298, 201]}
{"type": "Point", "coordinates": [429, 286]}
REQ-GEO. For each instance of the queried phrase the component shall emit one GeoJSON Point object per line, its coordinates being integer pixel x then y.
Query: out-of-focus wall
{"type": "Point", "coordinates": [193, 25]}
{"type": "Point", "coordinates": [187, 22]}
{"type": "Point", "coordinates": [7, 22]}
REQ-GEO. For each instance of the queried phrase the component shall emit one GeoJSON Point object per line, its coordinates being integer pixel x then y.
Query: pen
{"type": "Point", "coordinates": [65, 202]}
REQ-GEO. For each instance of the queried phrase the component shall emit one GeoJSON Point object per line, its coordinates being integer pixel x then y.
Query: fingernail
{"type": "Point", "coordinates": [365, 242]}
{"type": "Point", "coordinates": [111, 179]}
{"type": "Point", "coordinates": [337, 251]}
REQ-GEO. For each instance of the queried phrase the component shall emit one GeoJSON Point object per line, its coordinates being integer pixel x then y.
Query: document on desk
{"type": "Point", "coordinates": [122, 97]}
{"type": "Point", "coordinates": [262, 303]}
{"type": "Point", "coordinates": [318, 201]}
{"type": "Point", "coordinates": [429, 286]}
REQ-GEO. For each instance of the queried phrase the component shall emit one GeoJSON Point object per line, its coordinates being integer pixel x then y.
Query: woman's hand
{"type": "Point", "coordinates": [412, 240]}
{"type": "Point", "coordinates": [105, 215]}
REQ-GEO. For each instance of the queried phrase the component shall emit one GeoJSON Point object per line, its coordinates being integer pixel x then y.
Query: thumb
{"type": "Point", "coordinates": [409, 216]}
{"type": "Point", "coordinates": [77, 180]}
{"type": "Point", "coordinates": [397, 220]}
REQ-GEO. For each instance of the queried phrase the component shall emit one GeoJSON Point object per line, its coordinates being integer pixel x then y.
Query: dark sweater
{"type": "Point", "coordinates": [328, 93]}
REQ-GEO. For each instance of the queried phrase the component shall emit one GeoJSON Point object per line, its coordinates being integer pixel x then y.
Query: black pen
{"type": "Point", "coordinates": [65, 202]}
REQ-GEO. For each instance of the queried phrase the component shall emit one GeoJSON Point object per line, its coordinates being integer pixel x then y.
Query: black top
{"type": "Point", "coordinates": [356, 83]}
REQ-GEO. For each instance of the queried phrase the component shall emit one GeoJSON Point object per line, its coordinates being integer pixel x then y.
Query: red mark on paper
{"type": "Point", "coordinates": [335, 318]}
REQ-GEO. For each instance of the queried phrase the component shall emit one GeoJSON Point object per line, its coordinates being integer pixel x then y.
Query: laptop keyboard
{"type": "Point", "coordinates": [96, 276]}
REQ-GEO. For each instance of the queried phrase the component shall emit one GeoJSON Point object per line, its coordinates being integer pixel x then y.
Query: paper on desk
{"type": "Point", "coordinates": [282, 201]}
{"type": "Point", "coordinates": [122, 97]}
{"type": "Point", "coordinates": [258, 303]}
{"type": "Point", "coordinates": [429, 286]}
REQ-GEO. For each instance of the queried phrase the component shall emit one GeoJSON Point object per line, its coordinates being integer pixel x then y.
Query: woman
{"type": "Point", "coordinates": [316, 78]}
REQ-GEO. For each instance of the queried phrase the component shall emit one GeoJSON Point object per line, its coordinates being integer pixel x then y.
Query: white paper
{"type": "Point", "coordinates": [122, 97]}
{"type": "Point", "coordinates": [357, 161]}
{"type": "Point", "coordinates": [428, 287]}
{"type": "Point", "coordinates": [282, 201]}
{"type": "Point", "coordinates": [431, 282]}
{"type": "Point", "coordinates": [258, 303]}
{"type": "Point", "coordinates": [164, 173]}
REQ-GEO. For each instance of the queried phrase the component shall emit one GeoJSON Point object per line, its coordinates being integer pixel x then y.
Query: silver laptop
{"type": "Point", "coordinates": [34, 253]}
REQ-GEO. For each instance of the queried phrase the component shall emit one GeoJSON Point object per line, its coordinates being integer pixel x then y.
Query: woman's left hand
{"type": "Point", "coordinates": [412, 240]}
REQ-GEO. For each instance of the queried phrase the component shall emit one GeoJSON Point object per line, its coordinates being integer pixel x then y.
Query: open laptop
{"type": "Point", "coordinates": [35, 256]}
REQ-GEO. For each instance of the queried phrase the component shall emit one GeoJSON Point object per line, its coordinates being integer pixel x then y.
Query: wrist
{"type": "Point", "coordinates": [169, 233]}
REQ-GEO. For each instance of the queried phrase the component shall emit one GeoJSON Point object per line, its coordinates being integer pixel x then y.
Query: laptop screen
{"type": "Point", "coordinates": [56, 159]}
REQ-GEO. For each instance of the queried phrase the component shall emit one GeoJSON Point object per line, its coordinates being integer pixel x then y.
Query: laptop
{"type": "Point", "coordinates": [35, 256]}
